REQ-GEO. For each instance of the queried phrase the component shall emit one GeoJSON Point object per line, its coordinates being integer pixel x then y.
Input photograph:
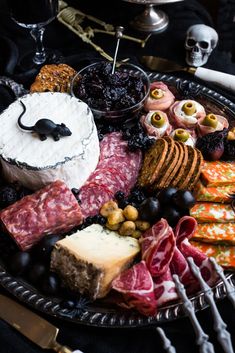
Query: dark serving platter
{"type": "Point", "coordinates": [101, 314]}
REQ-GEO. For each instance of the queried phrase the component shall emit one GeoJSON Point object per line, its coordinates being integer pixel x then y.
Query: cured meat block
{"type": "Point", "coordinates": [136, 286]}
{"type": "Point", "coordinates": [51, 210]}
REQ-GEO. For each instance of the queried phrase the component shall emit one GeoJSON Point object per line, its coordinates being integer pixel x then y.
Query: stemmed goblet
{"type": "Point", "coordinates": [35, 15]}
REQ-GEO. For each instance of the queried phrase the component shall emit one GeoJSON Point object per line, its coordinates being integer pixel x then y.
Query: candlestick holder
{"type": "Point", "coordinates": [152, 19]}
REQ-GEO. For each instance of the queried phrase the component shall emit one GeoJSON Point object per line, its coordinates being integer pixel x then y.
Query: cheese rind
{"type": "Point", "coordinates": [90, 259]}
{"type": "Point", "coordinates": [36, 163]}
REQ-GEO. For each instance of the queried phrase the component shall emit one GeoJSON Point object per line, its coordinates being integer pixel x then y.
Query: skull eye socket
{"type": "Point", "coordinates": [191, 42]}
{"type": "Point", "coordinates": [204, 45]}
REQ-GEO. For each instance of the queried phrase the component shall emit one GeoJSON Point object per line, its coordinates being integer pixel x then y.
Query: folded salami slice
{"type": "Point", "coordinates": [164, 288]}
{"type": "Point", "coordinates": [93, 196]}
{"type": "Point", "coordinates": [180, 267]}
{"type": "Point", "coordinates": [158, 244]}
{"type": "Point", "coordinates": [51, 210]}
{"type": "Point", "coordinates": [136, 286]}
{"type": "Point", "coordinates": [185, 230]}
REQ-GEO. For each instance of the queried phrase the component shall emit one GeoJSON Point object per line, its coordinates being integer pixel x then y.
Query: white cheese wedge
{"type": "Point", "coordinates": [90, 259]}
{"type": "Point", "coordinates": [36, 163]}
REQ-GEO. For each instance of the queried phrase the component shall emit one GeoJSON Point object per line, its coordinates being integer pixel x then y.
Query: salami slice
{"type": "Point", "coordinates": [136, 285]}
{"type": "Point", "coordinates": [93, 196]}
{"type": "Point", "coordinates": [51, 210]}
{"type": "Point", "coordinates": [113, 145]}
{"type": "Point", "coordinates": [111, 177]}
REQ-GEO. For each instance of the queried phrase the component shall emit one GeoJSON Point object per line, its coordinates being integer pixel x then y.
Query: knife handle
{"type": "Point", "coordinates": [218, 78]}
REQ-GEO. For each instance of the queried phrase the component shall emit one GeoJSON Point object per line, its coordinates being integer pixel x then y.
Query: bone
{"type": "Point", "coordinates": [223, 335]}
{"type": "Point", "coordinates": [229, 288]}
{"type": "Point", "coordinates": [166, 342]}
{"type": "Point", "coordinates": [202, 338]}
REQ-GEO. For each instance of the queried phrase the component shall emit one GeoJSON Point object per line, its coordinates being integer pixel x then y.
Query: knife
{"type": "Point", "coordinates": [218, 78]}
{"type": "Point", "coordinates": [31, 325]}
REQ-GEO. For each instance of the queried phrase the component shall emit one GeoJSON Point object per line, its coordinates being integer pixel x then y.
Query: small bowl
{"type": "Point", "coordinates": [121, 111]}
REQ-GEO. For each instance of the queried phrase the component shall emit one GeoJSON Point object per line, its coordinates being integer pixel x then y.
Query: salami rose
{"type": "Point", "coordinates": [156, 124]}
{"type": "Point", "coordinates": [160, 97]}
{"type": "Point", "coordinates": [185, 114]}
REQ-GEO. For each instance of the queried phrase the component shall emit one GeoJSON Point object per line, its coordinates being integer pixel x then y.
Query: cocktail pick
{"type": "Point", "coordinates": [119, 33]}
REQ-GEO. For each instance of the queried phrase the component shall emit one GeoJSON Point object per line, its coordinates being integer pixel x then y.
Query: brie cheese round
{"type": "Point", "coordinates": [35, 163]}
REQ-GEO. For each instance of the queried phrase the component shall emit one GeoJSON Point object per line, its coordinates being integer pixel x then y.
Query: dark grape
{"type": "Point", "coordinates": [36, 272]}
{"type": "Point", "coordinates": [184, 199]}
{"type": "Point", "coordinates": [50, 283]}
{"type": "Point", "coordinates": [165, 196]}
{"type": "Point", "coordinates": [150, 210]}
{"type": "Point", "coordinates": [44, 247]}
{"type": "Point", "coordinates": [8, 195]}
{"type": "Point", "coordinates": [172, 215]}
{"type": "Point", "coordinates": [19, 263]}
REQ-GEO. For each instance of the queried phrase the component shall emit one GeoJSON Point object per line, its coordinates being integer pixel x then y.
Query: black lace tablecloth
{"type": "Point", "coordinates": [14, 42]}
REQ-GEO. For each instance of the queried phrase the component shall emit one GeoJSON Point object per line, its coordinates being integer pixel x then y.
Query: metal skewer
{"type": "Point", "coordinates": [119, 33]}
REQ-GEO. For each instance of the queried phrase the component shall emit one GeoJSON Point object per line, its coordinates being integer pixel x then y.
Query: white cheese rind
{"type": "Point", "coordinates": [36, 163]}
{"type": "Point", "coordinates": [89, 260]}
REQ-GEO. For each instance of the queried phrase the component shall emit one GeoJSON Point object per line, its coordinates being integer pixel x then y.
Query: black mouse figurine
{"type": "Point", "coordinates": [45, 127]}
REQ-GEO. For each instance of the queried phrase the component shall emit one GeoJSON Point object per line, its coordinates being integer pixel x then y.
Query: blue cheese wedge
{"type": "Point", "coordinates": [35, 163]}
{"type": "Point", "coordinates": [89, 260]}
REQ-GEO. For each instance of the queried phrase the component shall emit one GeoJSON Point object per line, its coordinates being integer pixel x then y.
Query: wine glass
{"type": "Point", "coordinates": [35, 15]}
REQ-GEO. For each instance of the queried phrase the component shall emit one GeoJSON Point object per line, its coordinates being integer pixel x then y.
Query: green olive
{"type": "Point", "coordinates": [156, 93]}
{"type": "Point", "coordinates": [189, 108]}
{"type": "Point", "coordinates": [210, 120]}
{"type": "Point", "coordinates": [181, 135]}
{"type": "Point", "coordinates": [157, 119]}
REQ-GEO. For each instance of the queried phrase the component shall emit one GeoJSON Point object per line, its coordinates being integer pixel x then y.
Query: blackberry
{"type": "Point", "coordinates": [99, 219]}
{"type": "Point", "coordinates": [119, 195]}
{"type": "Point", "coordinates": [123, 203]}
{"type": "Point", "coordinates": [8, 195]}
{"type": "Point", "coordinates": [89, 220]}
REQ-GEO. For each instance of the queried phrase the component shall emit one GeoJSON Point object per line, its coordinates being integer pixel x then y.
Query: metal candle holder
{"type": "Point", "coordinates": [151, 20]}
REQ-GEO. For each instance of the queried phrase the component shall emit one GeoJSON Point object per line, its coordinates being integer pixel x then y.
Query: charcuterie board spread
{"type": "Point", "coordinates": [101, 212]}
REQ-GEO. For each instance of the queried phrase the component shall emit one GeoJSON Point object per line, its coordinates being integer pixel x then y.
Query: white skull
{"type": "Point", "coordinates": [199, 43]}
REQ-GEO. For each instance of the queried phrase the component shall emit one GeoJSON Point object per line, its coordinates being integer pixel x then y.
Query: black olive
{"type": "Point", "coordinates": [150, 210]}
{"type": "Point", "coordinates": [184, 199]}
{"type": "Point", "coordinates": [165, 196]}
{"type": "Point", "coordinates": [172, 215]}
{"type": "Point", "coordinates": [36, 272]}
{"type": "Point", "coordinates": [19, 263]}
{"type": "Point", "coordinates": [45, 246]}
{"type": "Point", "coordinates": [50, 283]}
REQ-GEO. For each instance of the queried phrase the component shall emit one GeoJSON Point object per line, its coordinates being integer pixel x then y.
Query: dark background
{"type": "Point", "coordinates": [15, 41]}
